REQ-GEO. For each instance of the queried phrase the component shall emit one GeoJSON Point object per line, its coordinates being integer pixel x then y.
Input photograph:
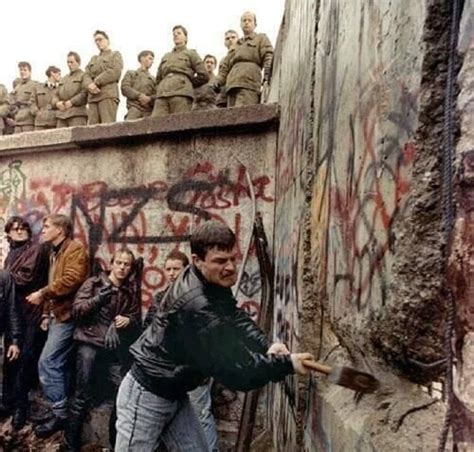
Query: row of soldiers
{"type": "Point", "coordinates": [183, 82]}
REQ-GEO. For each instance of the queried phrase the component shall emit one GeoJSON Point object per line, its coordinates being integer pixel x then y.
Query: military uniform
{"type": "Point", "coordinates": [43, 107]}
{"type": "Point", "coordinates": [205, 96]}
{"type": "Point", "coordinates": [180, 70]}
{"type": "Point", "coordinates": [133, 84]}
{"type": "Point", "coordinates": [104, 70]}
{"type": "Point", "coordinates": [22, 101]}
{"type": "Point", "coordinates": [72, 87]}
{"type": "Point", "coordinates": [4, 108]}
{"type": "Point", "coordinates": [241, 70]}
{"type": "Point", "coordinates": [221, 99]}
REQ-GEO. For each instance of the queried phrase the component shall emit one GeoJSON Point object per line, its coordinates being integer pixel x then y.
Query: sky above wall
{"type": "Point", "coordinates": [44, 32]}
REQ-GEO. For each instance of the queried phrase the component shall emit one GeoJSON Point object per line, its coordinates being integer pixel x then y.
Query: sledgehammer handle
{"type": "Point", "coordinates": [313, 365]}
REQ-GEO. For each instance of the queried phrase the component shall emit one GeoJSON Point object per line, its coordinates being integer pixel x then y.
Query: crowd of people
{"type": "Point", "coordinates": [62, 326]}
{"type": "Point", "coordinates": [183, 82]}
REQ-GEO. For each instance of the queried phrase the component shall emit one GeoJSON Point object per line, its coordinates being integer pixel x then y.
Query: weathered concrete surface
{"type": "Point", "coordinates": [292, 85]}
{"type": "Point", "coordinates": [461, 258]}
{"type": "Point", "coordinates": [147, 185]}
{"type": "Point", "coordinates": [360, 87]}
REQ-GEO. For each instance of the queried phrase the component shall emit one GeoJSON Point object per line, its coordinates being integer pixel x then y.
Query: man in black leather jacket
{"type": "Point", "coordinates": [198, 332]}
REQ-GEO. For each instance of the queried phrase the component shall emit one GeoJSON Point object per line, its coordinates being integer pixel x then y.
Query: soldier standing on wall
{"type": "Point", "coordinates": [22, 100]}
{"type": "Point", "coordinates": [102, 76]}
{"type": "Point", "coordinates": [205, 96]}
{"type": "Point", "coordinates": [179, 72]}
{"type": "Point", "coordinates": [71, 98]}
{"type": "Point", "coordinates": [43, 107]}
{"type": "Point", "coordinates": [4, 108]}
{"type": "Point", "coordinates": [230, 40]}
{"type": "Point", "coordinates": [241, 71]}
{"type": "Point", "coordinates": [139, 87]}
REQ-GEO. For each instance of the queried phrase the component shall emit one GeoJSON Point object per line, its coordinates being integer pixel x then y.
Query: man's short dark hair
{"type": "Point", "coordinates": [75, 55]}
{"type": "Point", "coordinates": [52, 69]}
{"type": "Point", "coordinates": [24, 64]}
{"type": "Point", "coordinates": [60, 221]}
{"type": "Point", "coordinates": [180, 27]}
{"type": "Point", "coordinates": [103, 33]}
{"type": "Point", "coordinates": [231, 31]}
{"type": "Point", "coordinates": [177, 255]}
{"type": "Point", "coordinates": [145, 53]}
{"type": "Point", "coordinates": [211, 234]}
{"type": "Point", "coordinates": [19, 221]}
{"type": "Point", "coordinates": [210, 56]}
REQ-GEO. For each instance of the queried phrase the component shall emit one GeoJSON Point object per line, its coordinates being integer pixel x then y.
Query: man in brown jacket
{"type": "Point", "coordinates": [102, 76]}
{"type": "Point", "coordinates": [71, 98]}
{"type": "Point", "coordinates": [43, 107]}
{"type": "Point", "coordinates": [67, 271]}
{"type": "Point", "coordinates": [139, 87]}
{"type": "Point", "coordinates": [179, 72]}
{"type": "Point", "coordinates": [241, 71]}
{"type": "Point", "coordinates": [22, 99]}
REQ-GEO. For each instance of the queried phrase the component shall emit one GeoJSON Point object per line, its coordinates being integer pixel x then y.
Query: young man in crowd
{"type": "Point", "coordinates": [68, 269]}
{"type": "Point", "coordinates": [198, 332]}
{"type": "Point", "coordinates": [107, 311]}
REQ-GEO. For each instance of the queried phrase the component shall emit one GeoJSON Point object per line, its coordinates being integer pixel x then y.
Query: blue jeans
{"type": "Point", "coordinates": [53, 365]}
{"type": "Point", "coordinates": [200, 399]}
{"type": "Point", "coordinates": [143, 419]}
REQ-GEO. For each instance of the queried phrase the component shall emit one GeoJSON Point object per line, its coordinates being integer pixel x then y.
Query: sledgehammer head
{"type": "Point", "coordinates": [353, 379]}
{"type": "Point", "coordinates": [346, 376]}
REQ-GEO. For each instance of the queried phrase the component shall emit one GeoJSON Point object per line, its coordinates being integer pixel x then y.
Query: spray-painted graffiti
{"type": "Point", "coordinates": [151, 219]}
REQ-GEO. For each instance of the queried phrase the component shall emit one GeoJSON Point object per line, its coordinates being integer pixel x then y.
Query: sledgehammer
{"type": "Point", "coordinates": [346, 376]}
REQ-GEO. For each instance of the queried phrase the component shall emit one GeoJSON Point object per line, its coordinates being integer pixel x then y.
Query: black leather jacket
{"type": "Point", "coordinates": [93, 319]}
{"type": "Point", "coordinates": [199, 332]}
{"type": "Point", "coordinates": [10, 312]}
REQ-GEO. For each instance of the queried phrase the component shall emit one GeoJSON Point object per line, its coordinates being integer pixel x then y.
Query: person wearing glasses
{"type": "Point", "coordinates": [25, 270]}
{"type": "Point", "coordinates": [102, 75]}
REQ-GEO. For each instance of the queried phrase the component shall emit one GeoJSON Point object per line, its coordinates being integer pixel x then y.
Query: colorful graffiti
{"type": "Point", "coordinates": [151, 219]}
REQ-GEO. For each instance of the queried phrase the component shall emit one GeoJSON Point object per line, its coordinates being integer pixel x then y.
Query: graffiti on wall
{"type": "Point", "coordinates": [150, 219]}
{"type": "Point", "coordinates": [290, 187]}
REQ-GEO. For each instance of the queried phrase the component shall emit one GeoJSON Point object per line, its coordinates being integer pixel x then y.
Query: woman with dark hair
{"type": "Point", "coordinates": [180, 71]}
{"type": "Point", "coordinates": [26, 269]}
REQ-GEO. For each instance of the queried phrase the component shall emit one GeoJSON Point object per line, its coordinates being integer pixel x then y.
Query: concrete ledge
{"type": "Point", "coordinates": [240, 119]}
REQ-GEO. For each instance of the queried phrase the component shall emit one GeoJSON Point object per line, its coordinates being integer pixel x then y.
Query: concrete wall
{"type": "Point", "coordinates": [292, 86]}
{"type": "Point", "coordinates": [461, 261]}
{"type": "Point", "coordinates": [358, 233]}
{"type": "Point", "coordinates": [146, 185]}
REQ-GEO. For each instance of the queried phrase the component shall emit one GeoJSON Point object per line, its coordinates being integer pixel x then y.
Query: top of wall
{"type": "Point", "coordinates": [254, 118]}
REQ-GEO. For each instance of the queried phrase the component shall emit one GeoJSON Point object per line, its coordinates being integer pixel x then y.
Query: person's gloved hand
{"type": "Point", "coordinates": [112, 340]}
{"type": "Point", "coordinates": [104, 294]}
{"type": "Point", "coordinates": [215, 87]}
